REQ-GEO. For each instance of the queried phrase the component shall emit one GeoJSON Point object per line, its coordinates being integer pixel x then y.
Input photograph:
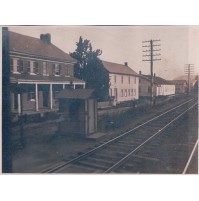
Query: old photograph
{"type": "Point", "coordinates": [100, 99]}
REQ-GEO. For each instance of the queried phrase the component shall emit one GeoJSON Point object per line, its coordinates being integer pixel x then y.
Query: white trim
{"type": "Point", "coordinates": [32, 58]}
{"type": "Point", "coordinates": [190, 158]}
{"type": "Point", "coordinates": [36, 98]}
{"type": "Point", "coordinates": [51, 97]}
{"type": "Point", "coordinates": [39, 82]}
{"type": "Point", "coordinates": [19, 103]}
{"type": "Point", "coordinates": [16, 72]}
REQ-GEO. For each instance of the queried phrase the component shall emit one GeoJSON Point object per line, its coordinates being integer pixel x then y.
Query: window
{"type": "Point", "coordinates": [125, 93]}
{"type": "Point", "coordinates": [122, 79]}
{"type": "Point", "coordinates": [122, 92]}
{"type": "Point", "coordinates": [36, 67]}
{"type": "Point", "coordinates": [129, 92]}
{"type": "Point", "coordinates": [11, 65]}
{"type": "Point", "coordinates": [28, 66]}
{"type": "Point", "coordinates": [129, 79]}
{"type": "Point", "coordinates": [57, 68]}
{"type": "Point", "coordinates": [115, 79]}
{"type": "Point", "coordinates": [31, 96]}
{"type": "Point", "coordinates": [19, 66]}
{"type": "Point", "coordinates": [67, 71]}
{"type": "Point", "coordinates": [134, 92]}
{"type": "Point", "coordinates": [45, 68]}
{"type": "Point", "coordinates": [134, 80]}
{"type": "Point", "coordinates": [110, 92]}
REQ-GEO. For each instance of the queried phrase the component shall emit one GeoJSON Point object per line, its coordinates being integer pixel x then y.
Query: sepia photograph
{"type": "Point", "coordinates": [100, 99]}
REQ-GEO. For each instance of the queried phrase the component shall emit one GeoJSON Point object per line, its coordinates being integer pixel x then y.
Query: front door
{"type": "Point", "coordinates": [91, 116]}
{"type": "Point", "coordinates": [15, 101]}
{"type": "Point", "coordinates": [115, 93]}
{"type": "Point", "coordinates": [45, 98]}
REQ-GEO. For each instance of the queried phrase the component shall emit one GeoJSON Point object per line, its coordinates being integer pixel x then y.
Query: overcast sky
{"type": "Point", "coordinates": [119, 44]}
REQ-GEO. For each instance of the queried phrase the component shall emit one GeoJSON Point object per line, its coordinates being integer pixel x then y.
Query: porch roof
{"type": "Point", "coordinates": [75, 94]}
{"type": "Point", "coordinates": [27, 78]}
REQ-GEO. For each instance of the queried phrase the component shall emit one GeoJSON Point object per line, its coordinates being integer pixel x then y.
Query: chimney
{"type": "Point", "coordinates": [45, 38]}
{"type": "Point", "coordinates": [126, 63]}
{"type": "Point", "coordinates": [140, 72]}
{"type": "Point", "coordinates": [154, 75]}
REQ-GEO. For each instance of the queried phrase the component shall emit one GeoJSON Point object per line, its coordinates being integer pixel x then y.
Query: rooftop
{"type": "Point", "coordinates": [118, 68]}
{"type": "Point", "coordinates": [75, 94]}
{"type": "Point", "coordinates": [36, 47]}
{"type": "Point", "coordinates": [40, 78]}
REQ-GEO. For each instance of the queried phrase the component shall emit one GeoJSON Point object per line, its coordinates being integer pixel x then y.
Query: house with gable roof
{"type": "Point", "coordinates": [38, 71]}
{"type": "Point", "coordinates": [124, 81]}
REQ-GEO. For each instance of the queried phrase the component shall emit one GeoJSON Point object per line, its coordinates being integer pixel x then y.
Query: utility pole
{"type": "Point", "coordinates": [189, 69]}
{"type": "Point", "coordinates": [151, 56]}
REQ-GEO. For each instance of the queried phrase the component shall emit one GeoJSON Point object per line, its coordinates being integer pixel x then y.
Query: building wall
{"type": "Point", "coordinates": [124, 87]}
{"type": "Point", "coordinates": [144, 88]}
{"type": "Point", "coordinates": [164, 90]}
{"type": "Point", "coordinates": [66, 69]}
{"type": "Point", "coordinates": [180, 88]}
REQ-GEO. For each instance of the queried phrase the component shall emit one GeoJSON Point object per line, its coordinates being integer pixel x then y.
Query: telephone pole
{"type": "Point", "coordinates": [188, 70]}
{"type": "Point", "coordinates": [151, 55]}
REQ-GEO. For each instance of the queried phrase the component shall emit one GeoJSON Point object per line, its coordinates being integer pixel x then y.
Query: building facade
{"type": "Point", "coordinates": [161, 87]}
{"type": "Point", "coordinates": [181, 86]}
{"type": "Point", "coordinates": [39, 70]}
{"type": "Point", "coordinates": [124, 82]}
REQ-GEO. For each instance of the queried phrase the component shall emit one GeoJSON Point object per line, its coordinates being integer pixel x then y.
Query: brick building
{"type": "Point", "coordinates": [39, 70]}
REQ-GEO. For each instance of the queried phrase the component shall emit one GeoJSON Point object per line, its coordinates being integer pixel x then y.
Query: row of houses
{"type": "Point", "coordinates": [40, 70]}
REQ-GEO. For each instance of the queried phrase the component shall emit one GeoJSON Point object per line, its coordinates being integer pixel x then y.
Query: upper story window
{"type": "Point", "coordinates": [36, 67]}
{"type": "Point", "coordinates": [129, 92]}
{"type": "Point", "coordinates": [134, 80]}
{"type": "Point", "coordinates": [45, 68]}
{"type": "Point", "coordinates": [11, 65]}
{"type": "Point", "coordinates": [115, 78]}
{"type": "Point", "coordinates": [56, 68]}
{"type": "Point", "coordinates": [20, 66]}
{"type": "Point", "coordinates": [28, 66]}
{"type": "Point", "coordinates": [67, 71]}
{"type": "Point", "coordinates": [122, 79]}
{"type": "Point", "coordinates": [129, 79]}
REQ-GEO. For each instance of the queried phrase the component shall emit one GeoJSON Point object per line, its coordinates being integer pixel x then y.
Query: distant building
{"type": "Point", "coordinates": [39, 70]}
{"type": "Point", "coordinates": [161, 87]}
{"type": "Point", "coordinates": [181, 86]}
{"type": "Point", "coordinates": [124, 81]}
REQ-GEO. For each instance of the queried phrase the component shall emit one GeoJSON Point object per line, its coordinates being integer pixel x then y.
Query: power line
{"type": "Point", "coordinates": [152, 55]}
{"type": "Point", "coordinates": [188, 70]}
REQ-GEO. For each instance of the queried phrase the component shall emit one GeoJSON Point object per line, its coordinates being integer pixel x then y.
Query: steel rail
{"type": "Point", "coordinates": [53, 169]}
{"type": "Point", "coordinates": [122, 161]}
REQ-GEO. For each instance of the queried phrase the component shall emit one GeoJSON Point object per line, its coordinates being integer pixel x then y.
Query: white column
{"type": "Point", "coordinates": [51, 96]}
{"type": "Point", "coordinates": [36, 98]}
{"type": "Point", "coordinates": [74, 86]}
{"type": "Point", "coordinates": [63, 86]}
{"type": "Point", "coordinates": [84, 86]}
{"type": "Point", "coordinates": [19, 103]}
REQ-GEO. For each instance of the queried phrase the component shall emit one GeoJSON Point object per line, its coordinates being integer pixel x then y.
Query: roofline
{"type": "Point", "coordinates": [136, 75]}
{"type": "Point", "coordinates": [22, 81]}
{"type": "Point", "coordinates": [39, 57]}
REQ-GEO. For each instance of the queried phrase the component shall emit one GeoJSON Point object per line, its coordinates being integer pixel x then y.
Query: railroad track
{"type": "Point", "coordinates": [113, 155]}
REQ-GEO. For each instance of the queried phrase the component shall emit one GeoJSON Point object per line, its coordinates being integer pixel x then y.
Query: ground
{"type": "Point", "coordinates": [44, 148]}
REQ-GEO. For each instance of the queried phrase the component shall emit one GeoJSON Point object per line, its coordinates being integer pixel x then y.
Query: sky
{"type": "Point", "coordinates": [119, 44]}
